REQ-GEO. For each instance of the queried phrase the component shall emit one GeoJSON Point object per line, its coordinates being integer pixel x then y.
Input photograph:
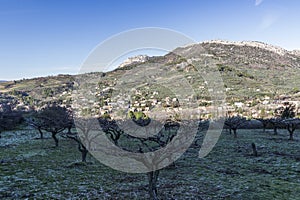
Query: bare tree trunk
{"type": "Point", "coordinates": [264, 127]}
{"type": "Point", "coordinates": [55, 138]}
{"type": "Point", "coordinates": [69, 130]}
{"type": "Point", "coordinates": [83, 156]}
{"type": "Point", "coordinates": [275, 130]}
{"type": "Point", "coordinates": [152, 187]}
{"type": "Point", "coordinates": [291, 130]}
{"type": "Point", "coordinates": [291, 136]}
{"type": "Point", "coordinates": [41, 133]}
{"type": "Point", "coordinates": [234, 132]}
{"type": "Point", "coordinates": [84, 152]}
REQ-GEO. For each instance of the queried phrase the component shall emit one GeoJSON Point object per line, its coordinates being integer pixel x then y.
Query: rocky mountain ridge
{"type": "Point", "coordinates": [262, 45]}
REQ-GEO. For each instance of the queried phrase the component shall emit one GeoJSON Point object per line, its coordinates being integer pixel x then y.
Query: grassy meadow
{"type": "Point", "coordinates": [32, 168]}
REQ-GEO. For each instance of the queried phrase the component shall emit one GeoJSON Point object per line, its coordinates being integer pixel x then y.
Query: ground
{"type": "Point", "coordinates": [34, 169]}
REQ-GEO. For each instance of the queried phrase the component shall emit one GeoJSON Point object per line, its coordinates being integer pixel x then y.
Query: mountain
{"type": "Point", "coordinates": [272, 70]}
{"type": "Point", "coordinates": [255, 77]}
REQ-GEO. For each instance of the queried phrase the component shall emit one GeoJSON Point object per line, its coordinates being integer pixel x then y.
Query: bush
{"type": "Point", "coordinates": [9, 119]}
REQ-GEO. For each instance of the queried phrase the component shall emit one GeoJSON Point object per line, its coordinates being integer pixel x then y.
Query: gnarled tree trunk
{"type": "Point", "coordinates": [152, 187]}
{"type": "Point", "coordinates": [83, 156]}
{"type": "Point", "coordinates": [291, 129]}
{"type": "Point", "coordinates": [84, 152]}
{"type": "Point", "coordinates": [275, 130]}
{"type": "Point", "coordinates": [264, 127]}
{"type": "Point", "coordinates": [55, 138]}
{"type": "Point", "coordinates": [234, 132]}
{"type": "Point", "coordinates": [291, 136]}
{"type": "Point", "coordinates": [41, 133]}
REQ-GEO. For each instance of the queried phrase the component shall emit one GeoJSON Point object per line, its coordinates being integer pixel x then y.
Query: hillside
{"type": "Point", "coordinates": [257, 78]}
{"type": "Point", "coordinates": [249, 70]}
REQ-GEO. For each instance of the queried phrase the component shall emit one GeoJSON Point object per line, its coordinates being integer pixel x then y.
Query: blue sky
{"type": "Point", "coordinates": [48, 37]}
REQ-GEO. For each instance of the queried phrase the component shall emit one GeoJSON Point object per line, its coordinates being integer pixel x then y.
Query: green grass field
{"type": "Point", "coordinates": [35, 169]}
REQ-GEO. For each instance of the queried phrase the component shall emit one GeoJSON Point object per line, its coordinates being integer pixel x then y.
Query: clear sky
{"type": "Point", "coordinates": [47, 37]}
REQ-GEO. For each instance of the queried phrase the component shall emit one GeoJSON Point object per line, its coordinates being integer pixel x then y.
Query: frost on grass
{"type": "Point", "coordinates": [16, 137]}
{"type": "Point", "coordinates": [34, 170]}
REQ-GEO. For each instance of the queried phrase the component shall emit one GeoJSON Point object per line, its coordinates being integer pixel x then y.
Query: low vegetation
{"type": "Point", "coordinates": [34, 169]}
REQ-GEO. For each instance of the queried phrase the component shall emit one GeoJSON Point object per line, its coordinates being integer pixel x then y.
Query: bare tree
{"type": "Point", "coordinates": [286, 110]}
{"type": "Point", "coordinates": [291, 125]}
{"type": "Point", "coordinates": [53, 119]}
{"type": "Point", "coordinates": [235, 122]}
{"type": "Point", "coordinates": [36, 123]}
{"type": "Point", "coordinates": [276, 124]}
{"type": "Point", "coordinates": [143, 145]}
{"type": "Point", "coordinates": [287, 113]}
{"type": "Point", "coordinates": [264, 122]}
{"type": "Point", "coordinates": [86, 132]}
